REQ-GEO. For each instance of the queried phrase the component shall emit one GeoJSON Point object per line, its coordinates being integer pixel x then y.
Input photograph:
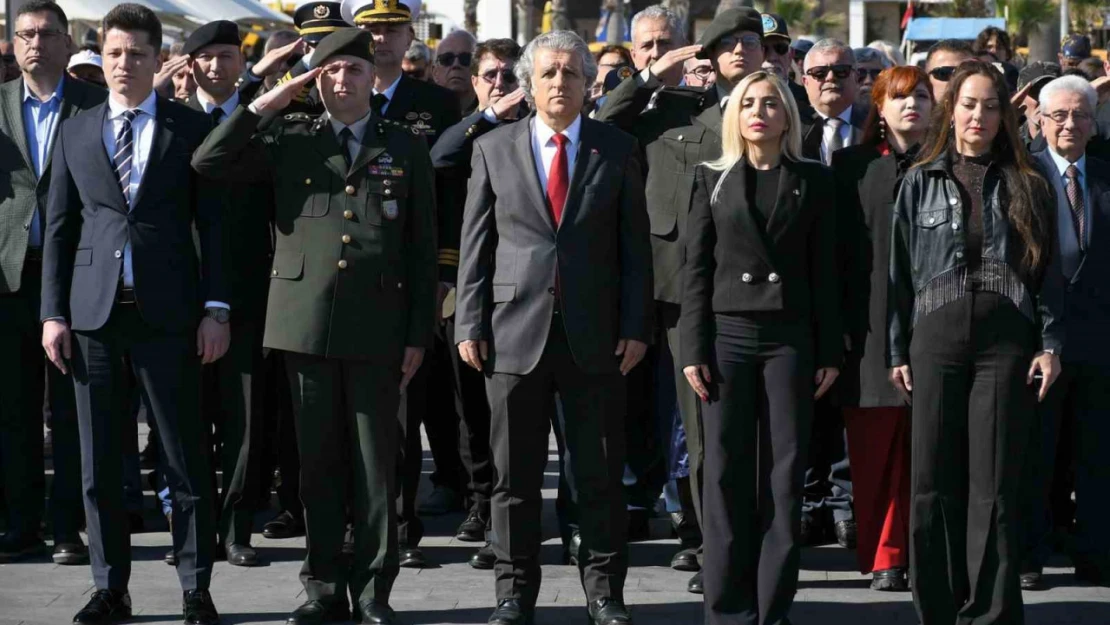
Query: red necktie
{"type": "Point", "coordinates": [558, 178]}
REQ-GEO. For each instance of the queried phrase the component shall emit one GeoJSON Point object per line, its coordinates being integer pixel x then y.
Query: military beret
{"type": "Point", "coordinates": [775, 26]}
{"type": "Point", "coordinates": [616, 76]}
{"type": "Point", "coordinates": [728, 22]}
{"type": "Point", "coordinates": [212, 33]}
{"type": "Point", "coordinates": [346, 41]}
{"type": "Point", "coordinates": [315, 20]}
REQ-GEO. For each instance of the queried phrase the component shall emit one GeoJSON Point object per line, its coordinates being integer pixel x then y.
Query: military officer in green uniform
{"type": "Point", "coordinates": [351, 305]}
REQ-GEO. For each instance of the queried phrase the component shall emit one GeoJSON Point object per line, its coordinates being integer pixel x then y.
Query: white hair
{"type": "Point", "coordinates": [889, 51]}
{"type": "Point", "coordinates": [1069, 84]}
{"type": "Point", "coordinates": [559, 40]}
{"type": "Point", "coordinates": [418, 50]}
{"type": "Point", "coordinates": [471, 42]}
{"type": "Point", "coordinates": [869, 55]}
{"type": "Point", "coordinates": [831, 46]}
{"type": "Point", "coordinates": [660, 12]}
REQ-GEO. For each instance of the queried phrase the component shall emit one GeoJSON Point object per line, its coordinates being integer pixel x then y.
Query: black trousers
{"type": "Point", "coordinates": [441, 419]}
{"type": "Point", "coordinates": [472, 410]}
{"type": "Point", "coordinates": [757, 427]}
{"type": "Point", "coordinates": [167, 366]}
{"type": "Point", "coordinates": [689, 407]}
{"type": "Point", "coordinates": [347, 436]}
{"type": "Point", "coordinates": [972, 419]}
{"type": "Point", "coordinates": [231, 401]}
{"type": "Point", "coordinates": [522, 407]}
{"type": "Point", "coordinates": [279, 436]}
{"type": "Point", "coordinates": [411, 412]}
{"type": "Point", "coordinates": [828, 477]}
{"type": "Point", "coordinates": [67, 511]}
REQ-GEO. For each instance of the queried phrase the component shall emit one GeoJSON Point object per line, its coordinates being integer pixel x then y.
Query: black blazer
{"type": "Point", "coordinates": [511, 251]}
{"type": "Point", "coordinates": [812, 132]}
{"type": "Point", "coordinates": [733, 266]}
{"type": "Point", "coordinates": [88, 223]}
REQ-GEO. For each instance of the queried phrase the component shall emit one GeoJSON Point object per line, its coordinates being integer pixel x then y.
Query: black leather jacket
{"type": "Point", "coordinates": [927, 266]}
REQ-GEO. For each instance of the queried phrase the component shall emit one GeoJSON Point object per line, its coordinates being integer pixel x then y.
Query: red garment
{"type": "Point", "coordinates": [558, 180]}
{"type": "Point", "coordinates": [879, 452]}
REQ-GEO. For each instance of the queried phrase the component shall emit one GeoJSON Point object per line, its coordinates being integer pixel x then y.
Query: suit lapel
{"type": "Point", "coordinates": [328, 147]}
{"type": "Point", "coordinates": [165, 128]}
{"type": "Point", "coordinates": [791, 189]}
{"type": "Point", "coordinates": [94, 133]}
{"type": "Point", "coordinates": [13, 110]}
{"type": "Point", "coordinates": [710, 116]}
{"type": "Point", "coordinates": [401, 103]}
{"type": "Point", "coordinates": [586, 163]}
{"type": "Point", "coordinates": [73, 97]}
{"type": "Point", "coordinates": [525, 161]}
{"type": "Point", "coordinates": [369, 150]}
{"type": "Point", "coordinates": [748, 226]}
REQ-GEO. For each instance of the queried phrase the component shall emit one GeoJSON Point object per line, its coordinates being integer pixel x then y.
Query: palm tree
{"type": "Point", "coordinates": [1026, 17]}
{"type": "Point", "coordinates": [964, 8]}
{"type": "Point", "coordinates": [1085, 14]}
{"type": "Point", "coordinates": [806, 16]}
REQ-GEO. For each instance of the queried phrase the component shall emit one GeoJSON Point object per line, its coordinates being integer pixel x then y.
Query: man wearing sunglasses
{"type": "Point", "coordinates": [941, 62]}
{"type": "Point", "coordinates": [454, 58]}
{"type": "Point", "coordinates": [778, 56]}
{"type": "Point", "coordinates": [869, 64]}
{"type": "Point", "coordinates": [832, 84]}
{"type": "Point", "coordinates": [9, 69]}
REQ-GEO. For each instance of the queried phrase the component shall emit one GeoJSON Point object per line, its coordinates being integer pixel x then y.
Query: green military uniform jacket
{"type": "Point", "coordinates": [354, 272]}
{"type": "Point", "coordinates": [681, 131]}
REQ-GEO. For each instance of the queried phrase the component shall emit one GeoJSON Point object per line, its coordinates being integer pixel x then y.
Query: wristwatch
{"type": "Point", "coordinates": [221, 315]}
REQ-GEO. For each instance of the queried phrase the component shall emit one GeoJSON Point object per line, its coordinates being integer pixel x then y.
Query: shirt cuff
{"type": "Point", "coordinates": [217, 305]}
{"type": "Point", "coordinates": [251, 77]}
{"type": "Point", "coordinates": [62, 319]}
{"type": "Point", "coordinates": [644, 76]}
{"type": "Point", "coordinates": [251, 107]}
{"type": "Point", "coordinates": [490, 116]}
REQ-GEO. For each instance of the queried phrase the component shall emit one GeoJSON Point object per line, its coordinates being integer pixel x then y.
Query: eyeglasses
{"type": "Point", "coordinates": [943, 73]}
{"type": "Point", "coordinates": [701, 71]}
{"type": "Point", "coordinates": [1061, 117]}
{"type": "Point", "coordinates": [447, 59]}
{"type": "Point", "coordinates": [863, 73]}
{"type": "Point", "coordinates": [507, 76]}
{"type": "Point", "coordinates": [780, 47]}
{"type": "Point", "coordinates": [415, 73]}
{"type": "Point", "coordinates": [46, 34]}
{"type": "Point", "coordinates": [749, 42]}
{"type": "Point", "coordinates": [819, 73]}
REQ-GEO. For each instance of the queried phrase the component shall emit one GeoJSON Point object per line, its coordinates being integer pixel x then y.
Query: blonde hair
{"type": "Point", "coordinates": [734, 147]}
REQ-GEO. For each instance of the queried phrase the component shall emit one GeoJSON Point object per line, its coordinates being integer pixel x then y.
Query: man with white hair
{"type": "Point", "coordinates": [833, 86]}
{"type": "Point", "coordinates": [554, 296]}
{"type": "Point", "coordinates": [1080, 396]}
{"type": "Point", "coordinates": [454, 55]}
{"type": "Point", "coordinates": [869, 64]}
{"type": "Point", "coordinates": [656, 31]}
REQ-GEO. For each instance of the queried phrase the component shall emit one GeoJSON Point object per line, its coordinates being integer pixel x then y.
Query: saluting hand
{"type": "Point", "coordinates": [678, 56]}
{"type": "Point", "coordinates": [414, 357]}
{"type": "Point", "coordinates": [280, 96]}
{"type": "Point", "coordinates": [272, 62]}
{"type": "Point", "coordinates": [474, 353]}
{"type": "Point", "coordinates": [56, 340]}
{"type": "Point", "coordinates": [163, 80]}
{"type": "Point", "coordinates": [506, 105]}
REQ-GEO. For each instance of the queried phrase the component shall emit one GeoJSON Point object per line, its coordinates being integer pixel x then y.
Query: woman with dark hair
{"type": "Point", "coordinates": [995, 41]}
{"type": "Point", "coordinates": [974, 313]}
{"type": "Point", "coordinates": [876, 415]}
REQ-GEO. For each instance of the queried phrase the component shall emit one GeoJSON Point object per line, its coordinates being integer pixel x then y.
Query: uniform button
{"type": "Point", "coordinates": [774, 277]}
{"type": "Point", "coordinates": [551, 290]}
{"type": "Point", "coordinates": [747, 277]}
{"type": "Point", "coordinates": [346, 238]}
{"type": "Point", "coordinates": [952, 201]}
{"type": "Point", "coordinates": [955, 226]}
{"type": "Point", "coordinates": [350, 190]}
{"type": "Point", "coordinates": [348, 214]}
{"type": "Point", "coordinates": [273, 272]}
{"type": "Point", "coordinates": [388, 192]}
{"type": "Point", "coordinates": [308, 180]}
{"type": "Point", "coordinates": [119, 254]}
{"type": "Point", "coordinates": [932, 219]}
{"type": "Point", "coordinates": [387, 182]}
{"type": "Point", "coordinates": [680, 137]}
{"type": "Point", "coordinates": [400, 285]}
{"type": "Point", "coordinates": [959, 254]}
{"type": "Point", "coordinates": [342, 264]}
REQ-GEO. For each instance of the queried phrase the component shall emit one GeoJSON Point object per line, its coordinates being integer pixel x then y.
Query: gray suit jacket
{"type": "Point", "coordinates": [511, 250]}
{"type": "Point", "coordinates": [21, 192]}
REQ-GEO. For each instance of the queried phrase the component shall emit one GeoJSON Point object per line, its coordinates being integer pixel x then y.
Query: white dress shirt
{"type": "Point", "coordinates": [389, 91]}
{"type": "Point", "coordinates": [544, 148]}
{"type": "Point", "coordinates": [845, 132]}
{"type": "Point", "coordinates": [358, 129]}
{"type": "Point", "coordinates": [228, 107]}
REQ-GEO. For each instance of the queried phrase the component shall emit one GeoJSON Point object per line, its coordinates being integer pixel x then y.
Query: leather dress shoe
{"type": "Point", "coordinates": [890, 580]}
{"type": "Point", "coordinates": [1091, 572]}
{"type": "Point", "coordinates": [686, 560]}
{"type": "Point", "coordinates": [376, 613]}
{"type": "Point", "coordinates": [695, 585]}
{"type": "Point", "coordinates": [412, 558]}
{"type": "Point", "coordinates": [473, 529]}
{"type": "Point", "coordinates": [19, 546]}
{"type": "Point", "coordinates": [442, 500]}
{"type": "Point", "coordinates": [198, 608]}
{"type": "Point", "coordinates": [242, 555]}
{"type": "Point", "coordinates": [846, 534]}
{"type": "Point", "coordinates": [70, 551]}
{"type": "Point", "coordinates": [171, 557]}
{"type": "Point", "coordinates": [510, 612]}
{"type": "Point", "coordinates": [808, 533]}
{"type": "Point", "coordinates": [104, 607]}
{"type": "Point", "coordinates": [1032, 580]}
{"type": "Point", "coordinates": [284, 525]}
{"type": "Point", "coordinates": [607, 611]}
{"type": "Point", "coordinates": [573, 548]}
{"type": "Point", "coordinates": [483, 559]}
{"type": "Point", "coordinates": [315, 612]}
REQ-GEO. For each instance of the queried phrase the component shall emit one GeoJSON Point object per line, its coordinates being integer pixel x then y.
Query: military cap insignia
{"type": "Point", "coordinates": [624, 72]}
{"type": "Point", "coordinates": [321, 11]}
{"type": "Point", "coordinates": [768, 23]}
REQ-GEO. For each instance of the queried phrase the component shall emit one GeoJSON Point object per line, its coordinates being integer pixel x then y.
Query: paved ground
{"type": "Point", "coordinates": [830, 592]}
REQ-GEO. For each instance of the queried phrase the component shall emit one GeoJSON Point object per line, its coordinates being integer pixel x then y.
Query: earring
{"type": "Point", "coordinates": [882, 128]}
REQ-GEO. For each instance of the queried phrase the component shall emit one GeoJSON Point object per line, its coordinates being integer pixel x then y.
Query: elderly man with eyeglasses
{"type": "Point", "coordinates": [453, 62]}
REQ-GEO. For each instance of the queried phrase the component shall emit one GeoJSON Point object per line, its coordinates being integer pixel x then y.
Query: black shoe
{"type": "Point", "coordinates": [483, 559]}
{"type": "Point", "coordinates": [375, 613]}
{"type": "Point", "coordinates": [510, 612]}
{"type": "Point", "coordinates": [1032, 580]}
{"type": "Point", "coordinates": [15, 547]}
{"type": "Point", "coordinates": [105, 606]}
{"type": "Point", "coordinates": [70, 551]}
{"type": "Point", "coordinates": [1087, 572]}
{"type": "Point", "coordinates": [284, 525]}
{"type": "Point", "coordinates": [412, 558]}
{"type": "Point", "coordinates": [314, 612]}
{"type": "Point", "coordinates": [686, 560]}
{"type": "Point", "coordinates": [443, 500]}
{"type": "Point", "coordinates": [136, 522]}
{"type": "Point", "coordinates": [242, 555]}
{"type": "Point", "coordinates": [808, 533]}
{"type": "Point", "coordinates": [473, 529]}
{"type": "Point", "coordinates": [846, 534]}
{"type": "Point", "coordinates": [609, 612]}
{"type": "Point", "coordinates": [686, 530]}
{"type": "Point", "coordinates": [573, 548]}
{"type": "Point", "coordinates": [695, 585]}
{"type": "Point", "coordinates": [198, 608]}
{"type": "Point", "coordinates": [890, 580]}
{"type": "Point", "coordinates": [639, 528]}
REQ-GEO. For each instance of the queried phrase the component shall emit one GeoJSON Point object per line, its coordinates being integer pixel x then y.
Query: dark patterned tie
{"type": "Point", "coordinates": [1075, 200]}
{"type": "Point", "coordinates": [379, 102]}
{"type": "Point", "coordinates": [345, 137]}
{"type": "Point", "coordinates": [217, 116]}
{"type": "Point", "coordinates": [122, 162]}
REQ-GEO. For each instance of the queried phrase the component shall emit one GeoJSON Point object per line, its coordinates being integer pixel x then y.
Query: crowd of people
{"type": "Point", "coordinates": [785, 292]}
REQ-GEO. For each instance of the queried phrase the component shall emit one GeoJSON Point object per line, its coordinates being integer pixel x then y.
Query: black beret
{"type": "Point", "coordinates": [315, 20]}
{"type": "Point", "coordinates": [212, 33]}
{"type": "Point", "coordinates": [616, 76]}
{"type": "Point", "coordinates": [346, 41]}
{"type": "Point", "coordinates": [728, 22]}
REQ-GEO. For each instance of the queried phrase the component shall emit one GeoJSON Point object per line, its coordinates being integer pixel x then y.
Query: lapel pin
{"type": "Point", "coordinates": [797, 192]}
{"type": "Point", "coordinates": [594, 151]}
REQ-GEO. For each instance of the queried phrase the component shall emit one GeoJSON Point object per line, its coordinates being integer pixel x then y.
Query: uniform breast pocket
{"type": "Point", "coordinates": [317, 197]}
{"type": "Point", "coordinates": [386, 200]}
{"type": "Point", "coordinates": [933, 218]}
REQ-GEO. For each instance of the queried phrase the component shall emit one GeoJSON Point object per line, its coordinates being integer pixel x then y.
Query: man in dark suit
{"type": "Point", "coordinates": [832, 85]}
{"type": "Point", "coordinates": [682, 130]}
{"type": "Point", "coordinates": [1080, 396]}
{"type": "Point", "coordinates": [351, 306]}
{"type": "Point", "coordinates": [429, 109]}
{"type": "Point", "coordinates": [121, 272]}
{"type": "Point", "coordinates": [554, 296]}
{"type": "Point", "coordinates": [32, 107]}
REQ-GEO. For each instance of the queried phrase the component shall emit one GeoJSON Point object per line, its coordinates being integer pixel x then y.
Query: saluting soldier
{"type": "Point", "coordinates": [430, 109]}
{"type": "Point", "coordinates": [352, 298]}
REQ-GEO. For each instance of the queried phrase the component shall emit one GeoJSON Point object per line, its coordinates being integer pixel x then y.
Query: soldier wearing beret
{"type": "Point", "coordinates": [430, 109]}
{"type": "Point", "coordinates": [351, 304]}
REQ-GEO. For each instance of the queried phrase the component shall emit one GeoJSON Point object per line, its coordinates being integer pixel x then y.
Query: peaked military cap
{"type": "Point", "coordinates": [315, 20]}
{"type": "Point", "coordinates": [365, 12]}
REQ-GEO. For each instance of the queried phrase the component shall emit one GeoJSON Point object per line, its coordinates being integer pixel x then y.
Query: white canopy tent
{"type": "Point", "coordinates": [231, 10]}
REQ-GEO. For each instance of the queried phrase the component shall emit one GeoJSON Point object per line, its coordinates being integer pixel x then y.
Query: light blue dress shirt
{"type": "Point", "coordinates": [40, 122]}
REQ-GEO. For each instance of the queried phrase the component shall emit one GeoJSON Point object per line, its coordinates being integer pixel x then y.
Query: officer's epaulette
{"type": "Point", "coordinates": [303, 118]}
{"type": "Point", "coordinates": [383, 124]}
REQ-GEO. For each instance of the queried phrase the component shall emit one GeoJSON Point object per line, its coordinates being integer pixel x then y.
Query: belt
{"type": "Point", "coordinates": [125, 295]}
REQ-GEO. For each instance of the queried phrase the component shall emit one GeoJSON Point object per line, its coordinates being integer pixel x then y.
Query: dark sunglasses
{"type": "Point", "coordinates": [819, 73]}
{"type": "Point", "coordinates": [447, 59]}
{"type": "Point", "coordinates": [418, 74]}
{"type": "Point", "coordinates": [863, 73]}
{"type": "Point", "coordinates": [943, 73]}
{"type": "Point", "coordinates": [780, 47]}
{"type": "Point", "coordinates": [749, 42]}
{"type": "Point", "coordinates": [507, 76]}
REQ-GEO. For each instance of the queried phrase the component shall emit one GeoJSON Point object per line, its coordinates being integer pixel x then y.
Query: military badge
{"type": "Point", "coordinates": [413, 116]}
{"type": "Point", "coordinates": [385, 159]}
{"type": "Point", "coordinates": [624, 72]}
{"type": "Point", "coordinates": [390, 209]}
{"type": "Point", "coordinates": [321, 11]}
{"type": "Point", "coordinates": [425, 116]}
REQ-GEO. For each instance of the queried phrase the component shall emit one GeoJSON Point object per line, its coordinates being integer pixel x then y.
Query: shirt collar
{"type": "Point", "coordinates": [391, 89]}
{"type": "Point", "coordinates": [54, 97]}
{"type": "Point", "coordinates": [228, 107]}
{"type": "Point", "coordinates": [722, 94]}
{"type": "Point", "coordinates": [544, 132]}
{"type": "Point", "coordinates": [1062, 163]}
{"type": "Point", "coordinates": [358, 129]}
{"type": "Point", "coordinates": [115, 109]}
{"type": "Point", "coordinates": [845, 115]}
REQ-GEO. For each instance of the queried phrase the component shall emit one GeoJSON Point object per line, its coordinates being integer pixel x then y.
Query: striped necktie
{"type": "Point", "coordinates": [1075, 201]}
{"type": "Point", "coordinates": [122, 161]}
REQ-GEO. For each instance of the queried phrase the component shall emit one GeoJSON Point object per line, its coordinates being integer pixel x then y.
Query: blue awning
{"type": "Point", "coordinates": [937, 28]}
